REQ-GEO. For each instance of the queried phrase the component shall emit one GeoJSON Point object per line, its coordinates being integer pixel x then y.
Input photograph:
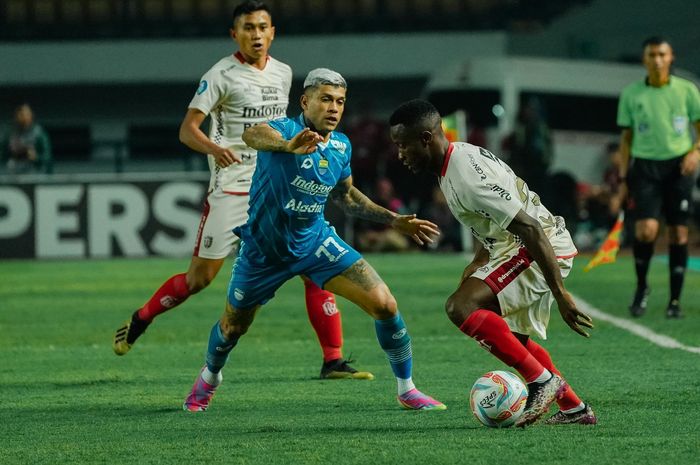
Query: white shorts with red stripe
{"type": "Point", "coordinates": [522, 291]}
{"type": "Point", "coordinates": [221, 213]}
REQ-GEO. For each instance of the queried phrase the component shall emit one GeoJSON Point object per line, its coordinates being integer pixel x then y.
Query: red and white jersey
{"type": "Point", "coordinates": [484, 194]}
{"type": "Point", "coordinates": [236, 96]}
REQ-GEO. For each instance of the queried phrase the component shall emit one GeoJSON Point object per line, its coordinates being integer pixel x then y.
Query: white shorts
{"type": "Point", "coordinates": [522, 291]}
{"type": "Point", "coordinates": [221, 213]}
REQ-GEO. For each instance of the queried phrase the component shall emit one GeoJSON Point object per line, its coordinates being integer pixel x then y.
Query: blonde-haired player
{"type": "Point", "coordinates": [241, 90]}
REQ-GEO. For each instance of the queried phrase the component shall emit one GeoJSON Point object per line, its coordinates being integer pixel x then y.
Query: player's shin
{"type": "Point", "coordinates": [492, 332]}
{"type": "Point", "coordinates": [171, 293]}
{"type": "Point", "coordinates": [394, 339]}
{"type": "Point", "coordinates": [677, 263]}
{"type": "Point", "coordinates": [218, 349]}
{"type": "Point", "coordinates": [325, 319]}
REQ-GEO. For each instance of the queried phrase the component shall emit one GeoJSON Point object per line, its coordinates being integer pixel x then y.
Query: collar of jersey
{"type": "Point", "coordinates": [668, 84]}
{"type": "Point", "coordinates": [302, 122]}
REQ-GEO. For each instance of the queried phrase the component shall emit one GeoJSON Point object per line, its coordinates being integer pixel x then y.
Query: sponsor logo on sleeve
{"type": "Point", "coordinates": [340, 146]}
{"type": "Point", "coordinates": [202, 87]}
{"type": "Point", "coordinates": [479, 170]}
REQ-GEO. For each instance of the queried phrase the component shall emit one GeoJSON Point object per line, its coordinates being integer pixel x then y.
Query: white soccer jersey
{"type": "Point", "coordinates": [237, 95]}
{"type": "Point", "coordinates": [484, 194]}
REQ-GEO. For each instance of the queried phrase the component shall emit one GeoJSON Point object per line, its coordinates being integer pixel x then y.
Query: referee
{"type": "Point", "coordinates": [659, 162]}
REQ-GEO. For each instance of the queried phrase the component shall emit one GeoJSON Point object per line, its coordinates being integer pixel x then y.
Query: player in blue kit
{"type": "Point", "coordinates": [302, 162]}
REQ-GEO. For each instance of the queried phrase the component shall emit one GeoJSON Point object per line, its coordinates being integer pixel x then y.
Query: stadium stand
{"type": "Point", "coordinates": [110, 19]}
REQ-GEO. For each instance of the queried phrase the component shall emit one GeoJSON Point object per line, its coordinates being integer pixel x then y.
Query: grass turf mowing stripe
{"type": "Point", "coordinates": [634, 328]}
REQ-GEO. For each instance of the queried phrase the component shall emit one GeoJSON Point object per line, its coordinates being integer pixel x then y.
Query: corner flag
{"type": "Point", "coordinates": [608, 251]}
{"type": "Point", "coordinates": [455, 126]}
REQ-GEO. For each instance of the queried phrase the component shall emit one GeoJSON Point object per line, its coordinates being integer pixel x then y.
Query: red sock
{"type": "Point", "coordinates": [172, 293]}
{"type": "Point", "coordinates": [570, 399]}
{"type": "Point", "coordinates": [325, 319]}
{"type": "Point", "coordinates": [492, 332]}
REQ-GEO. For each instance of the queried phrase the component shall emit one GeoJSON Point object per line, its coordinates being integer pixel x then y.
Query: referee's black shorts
{"type": "Point", "coordinates": [656, 187]}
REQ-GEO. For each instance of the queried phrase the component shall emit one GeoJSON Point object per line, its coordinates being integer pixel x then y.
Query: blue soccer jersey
{"type": "Point", "coordinates": [288, 196]}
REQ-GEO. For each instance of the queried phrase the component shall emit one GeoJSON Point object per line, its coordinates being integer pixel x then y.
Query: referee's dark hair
{"type": "Point", "coordinates": [654, 40]}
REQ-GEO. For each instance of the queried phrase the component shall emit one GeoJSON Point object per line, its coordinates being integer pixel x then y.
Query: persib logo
{"type": "Point", "coordinates": [202, 87]}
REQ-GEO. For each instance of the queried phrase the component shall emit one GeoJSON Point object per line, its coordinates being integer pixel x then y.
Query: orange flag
{"type": "Point", "coordinates": [608, 251]}
{"type": "Point", "coordinates": [455, 126]}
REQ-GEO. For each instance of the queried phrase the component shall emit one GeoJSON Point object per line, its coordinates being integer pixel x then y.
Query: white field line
{"type": "Point", "coordinates": [634, 328]}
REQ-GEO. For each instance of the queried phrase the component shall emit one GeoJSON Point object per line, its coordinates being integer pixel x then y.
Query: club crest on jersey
{"type": "Point", "coordinates": [322, 166]}
{"type": "Point", "coordinates": [207, 242]}
{"type": "Point", "coordinates": [680, 123]}
{"type": "Point", "coordinates": [202, 87]}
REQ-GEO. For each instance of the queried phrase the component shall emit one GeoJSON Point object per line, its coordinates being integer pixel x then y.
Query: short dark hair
{"type": "Point", "coordinates": [414, 113]}
{"type": "Point", "coordinates": [654, 40]}
{"type": "Point", "coordinates": [247, 7]}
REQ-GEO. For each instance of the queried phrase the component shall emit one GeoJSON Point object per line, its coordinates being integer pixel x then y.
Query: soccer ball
{"type": "Point", "coordinates": [498, 399]}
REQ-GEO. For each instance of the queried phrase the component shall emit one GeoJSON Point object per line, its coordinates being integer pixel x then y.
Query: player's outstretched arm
{"type": "Point", "coordinates": [537, 244]}
{"type": "Point", "coordinates": [355, 203]}
{"type": "Point", "coordinates": [192, 136]}
{"type": "Point", "coordinates": [264, 138]}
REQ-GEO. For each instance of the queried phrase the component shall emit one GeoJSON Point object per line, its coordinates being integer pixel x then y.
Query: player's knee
{"type": "Point", "coordinates": [646, 230]}
{"type": "Point", "coordinates": [678, 235]}
{"type": "Point", "coordinates": [646, 235]}
{"type": "Point", "coordinates": [458, 309]}
{"type": "Point", "coordinates": [234, 327]}
{"type": "Point", "coordinates": [383, 305]}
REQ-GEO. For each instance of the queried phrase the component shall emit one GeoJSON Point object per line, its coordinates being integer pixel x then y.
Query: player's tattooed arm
{"type": "Point", "coordinates": [264, 138]}
{"type": "Point", "coordinates": [355, 203]}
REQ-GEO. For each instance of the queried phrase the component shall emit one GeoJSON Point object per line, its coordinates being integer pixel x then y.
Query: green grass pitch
{"type": "Point", "coordinates": [66, 398]}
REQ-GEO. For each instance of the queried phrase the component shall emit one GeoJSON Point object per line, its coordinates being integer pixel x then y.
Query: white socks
{"type": "Point", "coordinates": [544, 376]}
{"type": "Point", "coordinates": [405, 385]}
{"type": "Point", "coordinates": [211, 378]}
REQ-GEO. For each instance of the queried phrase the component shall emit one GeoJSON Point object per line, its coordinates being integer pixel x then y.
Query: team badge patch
{"type": "Point", "coordinates": [208, 241]}
{"type": "Point", "coordinates": [680, 123]}
{"type": "Point", "coordinates": [322, 166]}
{"type": "Point", "coordinates": [202, 87]}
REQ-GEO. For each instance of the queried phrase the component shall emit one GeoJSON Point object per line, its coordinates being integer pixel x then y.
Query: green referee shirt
{"type": "Point", "coordinates": [659, 117]}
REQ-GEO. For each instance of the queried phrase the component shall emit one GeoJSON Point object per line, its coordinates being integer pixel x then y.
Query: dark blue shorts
{"type": "Point", "coordinates": [253, 283]}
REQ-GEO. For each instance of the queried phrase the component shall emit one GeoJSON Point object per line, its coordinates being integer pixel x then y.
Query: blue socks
{"type": "Point", "coordinates": [394, 339]}
{"type": "Point", "coordinates": [218, 349]}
